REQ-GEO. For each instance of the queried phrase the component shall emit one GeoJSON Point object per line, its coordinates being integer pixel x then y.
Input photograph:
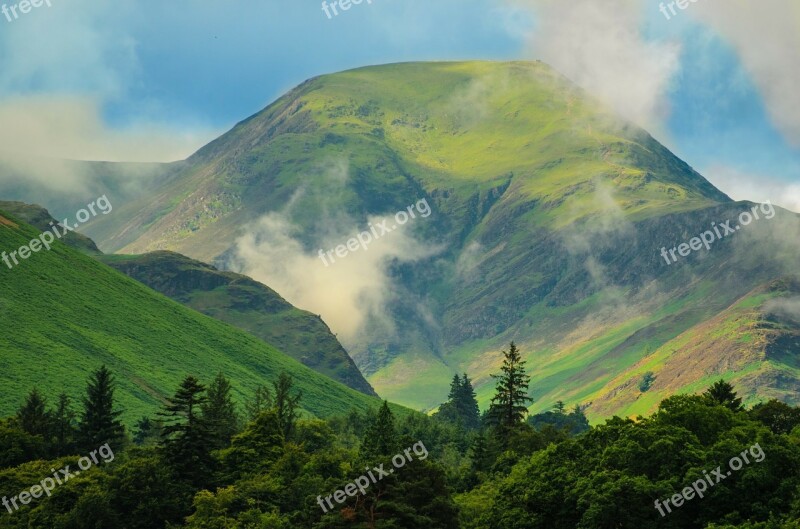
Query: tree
{"type": "Point", "coordinates": [63, 425]}
{"type": "Point", "coordinates": [381, 436]}
{"type": "Point", "coordinates": [286, 403]}
{"type": "Point", "coordinates": [34, 417]}
{"type": "Point", "coordinates": [99, 424]}
{"type": "Point", "coordinates": [261, 401]}
{"type": "Point", "coordinates": [509, 405]}
{"type": "Point", "coordinates": [219, 412]}
{"type": "Point", "coordinates": [148, 431]}
{"type": "Point", "coordinates": [186, 437]}
{"type": "Point", "coordinates": [461, 407]}
{"type": "Point", "coordinates": [722, 393]}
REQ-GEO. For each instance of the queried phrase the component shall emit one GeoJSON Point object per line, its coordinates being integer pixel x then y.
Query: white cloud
{"type": "Point", "coordinates": [349, 292]}
{"type": "Point", "coordinates": [600, 46]}
{"type": "Point", "coordinates": [755, 188]}
{"type": "Point", "coordinates": [766, 37]}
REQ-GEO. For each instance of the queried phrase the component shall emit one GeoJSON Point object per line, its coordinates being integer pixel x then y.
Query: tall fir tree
{"type": "Point", "coordinates": [186, 439]}
{"type": "Point", "coordinates": [34, 417]}
{"type": "Point", "coordinates": [64, 432]}
{"type": "Point", "coordinates": [461, 407]}
{"type": "Point", "coordinates": [99, 423]}
{"type": "Point", "coordinates": [286, 403]}
{"type": "Point", "coordinates": [219, 412]}
{"type": "Point", "coordinates": [509, 405]}
{"type": "Point", "coordinates": [468, 404]}
{"type": "Point", "coordinates": [261, 401]}
{"type": "Point", "coordinates": [380, 438]}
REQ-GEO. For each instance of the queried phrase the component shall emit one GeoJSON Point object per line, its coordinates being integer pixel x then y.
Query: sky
{"type": "Point", "coordinates": [150, 80]}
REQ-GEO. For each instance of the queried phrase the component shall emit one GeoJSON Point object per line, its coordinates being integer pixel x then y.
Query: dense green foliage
{"type": "Point", "coordinates": [558, 474]}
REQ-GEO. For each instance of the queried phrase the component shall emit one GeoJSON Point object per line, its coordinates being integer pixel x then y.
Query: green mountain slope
{"type": "Point", "coordinates": [754, 343]}
{"type": "Point", "coordinates": [248, 305]}
{"type": "Point", "coordinates": [63, 314]}
{"type": "Point", "coordinates": [40, 218]}
{"type": "Point", "coordinates": [228, 297]}
{"type": "Point", "coordinates": [549, 213]}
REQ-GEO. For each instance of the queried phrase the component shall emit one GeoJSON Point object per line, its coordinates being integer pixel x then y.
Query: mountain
{"type": "Point", "coordinates": [248, 305]}
{"type": "Point", "coordinates": [548, 216]}
{"type": "Point", "coordinates": [64, 314]}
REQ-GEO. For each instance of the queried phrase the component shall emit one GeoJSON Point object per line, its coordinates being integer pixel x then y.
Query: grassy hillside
{"type": "Point", "coordinates": [548, 216]}
{"type": "Point", "coordinates": [754, 344]}
{"type": "Point", "coordinates": [248, 305]}
{"type": "Point", "coordinates": [64, 314]}
{"type": "Point", "coordinates": [40, 218]}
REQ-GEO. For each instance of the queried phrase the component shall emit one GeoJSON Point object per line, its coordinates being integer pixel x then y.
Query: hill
{"type": "Point", "coordinates": [64, 314]}
{"type": "Point", "coordinates": [248, 305]}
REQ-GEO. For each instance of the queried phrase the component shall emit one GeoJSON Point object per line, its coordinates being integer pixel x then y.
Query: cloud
{"type": "Point", "coordinates": [756, 188]}
{"type": "Point", "coordinates": [784, 307]}
{"type": "Point", "coordinates": [40, 135]}
{"type": "Point", "coordinates": [64, 66]}
{"type": "Point", "coordinates": [67, 127]}
{"type": "Point", "coordinates": [349, 292]}
{"type": "Point", "coordinates": [599, 45]}
{"type": "Point", "coordinates": [766, 38]}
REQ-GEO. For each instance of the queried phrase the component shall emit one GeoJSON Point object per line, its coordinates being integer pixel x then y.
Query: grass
{"type": "Point", "coordinates": [64, 314]}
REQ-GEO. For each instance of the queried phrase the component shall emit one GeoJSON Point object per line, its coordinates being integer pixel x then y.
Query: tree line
{"type": "Point", "coordinates": [206, 461]}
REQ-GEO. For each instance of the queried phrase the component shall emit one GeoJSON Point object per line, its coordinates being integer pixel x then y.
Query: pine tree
{"type": "Point", "coordinates": [99, 424]}
{"type": "Point", "coordinates": [468, 404]}
{"type": "Point", "coordinates": [219, 412]}
{"type": "Point", "coordinates": [286, 403]}
{"type": "Point", "coordinates": [148, 431]}
{"type": "Point", "coordinates": [64, 432]}
{"type": "Point", "coordinates": [722, 393]}
{"type": "Point", "coordinates": [509, 405]}
{"type": "Point", "coordinates": [462, 405]}
{"type": "Point", "coordinates": [261, 401]}
{"type": "Point", "coordinates": [185, 437]}
{"type": "Point", "coordinates": [380, 438]}
{"type": "Point", "coordinates": [34, 417]}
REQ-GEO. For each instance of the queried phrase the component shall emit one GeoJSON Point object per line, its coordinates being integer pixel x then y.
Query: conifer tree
{"type": "Point", "coordinates": [261, 401]}
{"type": "Point", "coordinates": [219, 412]}
{"type": "Point", "coordinates": [34, 417]}
{"type": "Point", "coordinates": [462, 406]}
{"type": "Point", "coordinates": [286, 403]}
{"type": "Point", "coordinates": [468, 404]}
{"type": "Point", "coordinates": [186, 437]}
{"type": "Point", "coordinates": [509, 405]}
{"type": "Point", "coordinates": [722, 393]}
{"type": "Point", "coordinates": [63, 426]}
{"type": "Point", "coordinates": [99, 423]}
{"type": "Point", "coordinates": [380, 438]}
